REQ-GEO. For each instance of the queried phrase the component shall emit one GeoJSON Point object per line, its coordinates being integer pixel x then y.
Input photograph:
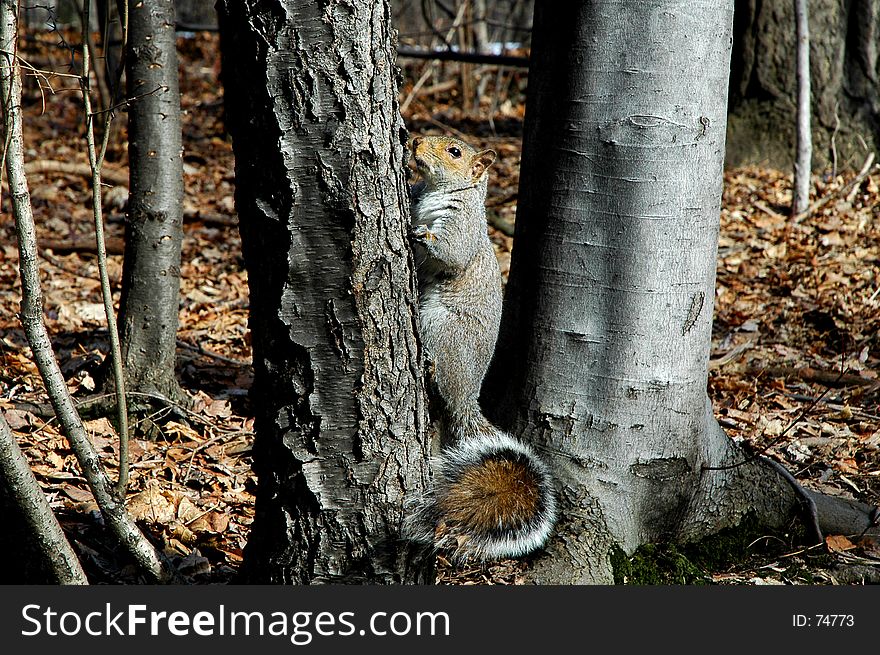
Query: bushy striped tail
{"type": "Point", "coordinates": [492, 498]}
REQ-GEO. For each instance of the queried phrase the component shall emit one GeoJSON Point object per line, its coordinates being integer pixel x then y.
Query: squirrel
{"type": "Point", "coordinates": [492, 496]}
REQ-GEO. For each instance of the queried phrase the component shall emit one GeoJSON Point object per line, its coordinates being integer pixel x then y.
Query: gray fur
{"type": "Point", "coordinates": [459, 296]}
{"type": "Point", "coordinates": [460, 313]}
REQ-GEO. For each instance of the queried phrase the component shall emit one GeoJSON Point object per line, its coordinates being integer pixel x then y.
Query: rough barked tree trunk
{"type": "Point", "coordinates": [845, 79]}
{"type": "Point", "coordinates": [150, 298]}
{"type": "Point", "coordinates": [322, 202]}
{"type": "Point", "coordinates": [606, 331]}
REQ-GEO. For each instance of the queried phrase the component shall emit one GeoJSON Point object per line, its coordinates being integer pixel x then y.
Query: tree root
{"type": "Point", "coordinates": [844, 516]}
{"type": "Point", "coordinates": [808, 504]}
{"type": "Point", "coordinates": [827, 515]}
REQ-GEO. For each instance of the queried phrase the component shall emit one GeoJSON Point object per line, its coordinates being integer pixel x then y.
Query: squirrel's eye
{"type": "Point", "coordinates": [455, 152]}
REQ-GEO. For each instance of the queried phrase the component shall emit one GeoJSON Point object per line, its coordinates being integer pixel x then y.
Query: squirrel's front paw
{"type": "Point", "coordinates": [422, 233]}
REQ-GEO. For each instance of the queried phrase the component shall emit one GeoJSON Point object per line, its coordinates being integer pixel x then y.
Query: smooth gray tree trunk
{"type": "Point", "coordinates": [604, 345]}
{"type": "Point", "coordinates": [603, 353]}
{"type": "Point", "coordinates": [323, 211]}
{"type": "Point", "coordinates": [804, 157]}
{"type": "Point", "coordinates": [148, 308]}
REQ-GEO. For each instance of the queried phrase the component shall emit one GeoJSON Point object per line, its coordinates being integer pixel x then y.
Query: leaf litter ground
{"type": "Point", "coordinates": [797, 319]}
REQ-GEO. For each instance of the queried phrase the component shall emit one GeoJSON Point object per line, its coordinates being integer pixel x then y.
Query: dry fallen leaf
{"type": "Point", "coordinates": [837, 543]}
{"type": "Point", "coordinates": [151, 505]}
{"type": "Point", "coordinates": [211, 522]}
{"type": "Point", "coordinates": [19, 420]}
{"type": "Point", "coordinates": [187, 510]}
{"type": "Point", "coordinates": [56, 460]}
{"type": "Point", "coordinates": [78, 495]}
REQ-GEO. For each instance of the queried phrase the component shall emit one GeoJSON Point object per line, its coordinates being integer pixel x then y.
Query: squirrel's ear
{"type": "Point", "coordinates": [480, 162]}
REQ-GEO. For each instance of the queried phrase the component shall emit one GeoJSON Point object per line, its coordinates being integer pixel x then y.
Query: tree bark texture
{"type": "Point", "coordinates": [150, 298]}
{"type": "Point", "coordinates": [844, 73]}
{"type": "Point", "coordinates": [311, 93]}
{"type": "Point", "coordinates": [605, 337]}
{"type": "Point", "coordinates": [26, 562]}
{"type": "Point", "coordinates": [44, 534]}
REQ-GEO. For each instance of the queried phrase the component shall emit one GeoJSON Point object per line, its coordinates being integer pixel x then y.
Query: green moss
{"type": "Point", "coordinates": [667, 563]}
{"type": "Point", "coordinates": [656, 564]}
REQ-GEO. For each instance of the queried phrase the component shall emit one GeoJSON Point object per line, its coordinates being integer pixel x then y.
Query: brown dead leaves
{"type": "Point", "coordinates": [794, 301]}
{"type": "Point", "coordinates": [805, 294]}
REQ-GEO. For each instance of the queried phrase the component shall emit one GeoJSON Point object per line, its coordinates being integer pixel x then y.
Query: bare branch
{"type": "Point", "coordinates": [40, 166]}
{"type": "Point", "coordinates": [467, 57]}
{"type": "Point", "coordinates": [803, 162]}
{"type": "Point", "coordinates": [95, 162]}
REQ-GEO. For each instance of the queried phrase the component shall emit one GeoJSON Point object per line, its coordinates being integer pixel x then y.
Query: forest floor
{"type": "Point", "coordinates": [794, 364]}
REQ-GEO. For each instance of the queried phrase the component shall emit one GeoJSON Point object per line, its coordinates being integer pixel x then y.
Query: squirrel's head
{"type": "Point", "coordinates": [444, 161]}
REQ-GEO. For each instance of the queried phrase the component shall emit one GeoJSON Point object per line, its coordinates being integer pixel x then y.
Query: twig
{"type": "Point", "coordinates": [201, 514]}
{"type": "Point", "coordinates": [169, 403]}
{"type": "Point", "coordinates": [202, 446]}
{"type": "Point", "coordinates": [440, 87]}
{"type": "Point", "coordinates": [125, 102]}
{"type": "Point", "coordinates": [466, 57]}
{"type": "Point", "coordinates": [809, 374]}
{"type": "Point", "coordinates": [71, 168]}
{"type": "Point", "coordinates": [448, 128]}
{"type": "Point", "coordinates": [96, 160]}
{"type": "Point", "coordinates": [418, 85]}
{"type": "Point", "coordinates": [112, 246]}
{"type": "Point", "coordinates": [54, 261]}
{"type": "Point", "coordinates": [863, 173]}
{"type": "Point", "coordinates": [430, 69]}
{"type": "Point", "coordinates": [87, 406]}
{"type": "Point", "coordinates": [730, 355]}
{"type": "Point", "coordinates": [835, 404]}
{"type": "Point", "coordinates": [764, 208]}
{"type": "Point", "coordinates": [208, 353]}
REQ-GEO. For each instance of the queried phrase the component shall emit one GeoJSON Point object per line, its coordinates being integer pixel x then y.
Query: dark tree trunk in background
{"type": "Point", "coordinates": [845, 76]}
{"type": "Point", "coordinates": [196, 14]}
{"type": "Point", "coordinates": [311, 97]}
{"type": "Point", "coordinates": [110, 26]}
{"type": "Point", "coordinates": [150, 298]}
